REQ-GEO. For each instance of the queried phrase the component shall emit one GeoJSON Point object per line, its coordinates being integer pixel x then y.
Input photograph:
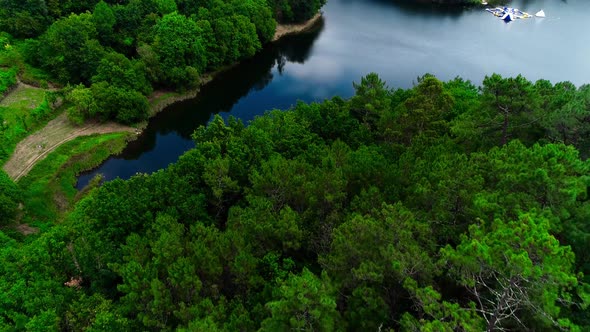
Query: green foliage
{"type": "Point", "coordinates": [295, 10]}
{"type": "Point", "coordinates": [514, 267]}
{"type": "Point", "coordinates": [107, 102]}
{"type": "Point", "coordinates": [7, 79]}
{"type": "Point", "coordinates": [23, 18]}
{"type": "Point", "coordinates": [121, 72]}
{"type": "Point", "coordinates": [178, 43]}
{"type": "Point", "coordinates": [438, 314]}
{"type": "Point", "coordinates": [10, 196]}
{"type": "Point", "coordinates": [124, 106]}
{"type": "Point", "coordinates": [305, 302]}
{"type": "Point", "coordinates": [49, 188]}
{"type": "Point", "coordinates": [393, 220]}
{"type": "Point", "coordinates": [16, 121]}
{"type": "Point", "coordinates": [104, 20]}
{"type": "Point", "coordinates": [258, 12]}
{"type": "Point", "coordinates": [83, 104]}
{"type": "Point", "coordinates": [89, 41]}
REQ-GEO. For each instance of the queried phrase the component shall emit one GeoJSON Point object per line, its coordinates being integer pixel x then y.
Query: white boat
{"type": "Point", "coordinates": [508, 14]}
{"type": "Point", "coordinates": [540, 13]}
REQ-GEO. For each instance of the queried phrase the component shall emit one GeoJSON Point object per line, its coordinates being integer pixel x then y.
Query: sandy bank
{"type": "Point", "coordinates": [289, 29]}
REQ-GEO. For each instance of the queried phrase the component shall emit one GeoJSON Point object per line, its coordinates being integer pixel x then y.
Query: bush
{"type": "Point", "coordinates": [7, 79]}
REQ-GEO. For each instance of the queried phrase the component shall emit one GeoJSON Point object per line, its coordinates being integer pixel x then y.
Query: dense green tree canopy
{"type": "Point", "coordinates": [386, 211]}
{"type": "Point", "coordinates": [137, 45]}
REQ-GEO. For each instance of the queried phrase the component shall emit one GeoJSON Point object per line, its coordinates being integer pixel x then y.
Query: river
{"type": "Point", "coordinates": [398, 39]}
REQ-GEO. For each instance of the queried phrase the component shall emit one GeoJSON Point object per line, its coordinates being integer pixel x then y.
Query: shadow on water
{"type": "Point", "coordinates": [222, 93]}
{"type": "Point", "coordinates": [168, 134]}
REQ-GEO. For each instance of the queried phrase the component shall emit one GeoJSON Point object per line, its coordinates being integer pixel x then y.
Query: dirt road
{"type": "Point", "coordinates": [58, 131]}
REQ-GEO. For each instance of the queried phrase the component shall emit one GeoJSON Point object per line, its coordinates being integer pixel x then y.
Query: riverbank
{"type": "Point", "coordinates": [291, 29]}
{"type": "Point", "coordinates": [161, 99]}
{"type": "Point", "coordinates": [59, 131]}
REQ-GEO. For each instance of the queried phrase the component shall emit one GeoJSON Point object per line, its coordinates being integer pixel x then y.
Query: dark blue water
{"type": "Point", "coordinates": [400, 40]}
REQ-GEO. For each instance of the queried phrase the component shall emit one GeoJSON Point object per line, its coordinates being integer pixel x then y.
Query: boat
{"type": "Point", "coordinates": [540, 13]}
{"type": "Point", "coordinates": [508, 14]}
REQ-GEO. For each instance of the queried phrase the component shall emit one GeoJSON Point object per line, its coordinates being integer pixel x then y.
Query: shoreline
{"type": "Point", "coordinates": [158, 101]}
{"type": "Point", "coordinates": [284, 30]}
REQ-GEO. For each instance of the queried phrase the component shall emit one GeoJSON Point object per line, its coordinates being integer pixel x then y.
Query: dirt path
{"type": "Point", "coordinates": [58, 131]}
{"type": "Point", "coordinates": [289, 29]}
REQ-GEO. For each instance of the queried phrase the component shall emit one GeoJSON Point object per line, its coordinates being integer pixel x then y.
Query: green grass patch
{"type": "Point", "coordinates": [34, 76]}
{"type": "Point", "coordinates": [11, 55]}
{"type": "Point", "coordinates": [49, 188]}
{"type": "Point", "coordinates": [23, 112]}
{"type": "Point", "coordinates": [24, 98]}
{"type": "Point", "coordinates": [7, 79]}
{"type": "Point", "coordinates": [165, 97]}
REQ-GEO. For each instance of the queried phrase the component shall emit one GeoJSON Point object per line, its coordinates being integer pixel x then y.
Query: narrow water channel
{"type": "Point", "coordinates": [399, 39]}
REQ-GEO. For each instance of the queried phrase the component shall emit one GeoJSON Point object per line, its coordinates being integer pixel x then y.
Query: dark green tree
{"type": "Point", "coordinates": [10, 197]}
{"type": "Point", "coordinates": [304, 302]}
{"type": "Point", "coordinates": [69, 49]}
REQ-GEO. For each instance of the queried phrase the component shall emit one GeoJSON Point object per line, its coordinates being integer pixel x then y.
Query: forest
{"type": "Point", "coordinates": [443, 207]}
{"type": "Point", "coordinates": [110, 55]}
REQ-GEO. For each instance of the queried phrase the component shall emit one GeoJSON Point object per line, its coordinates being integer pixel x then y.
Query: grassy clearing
{"type": "Point", "coordinates": [22, 112]}
{"type": "Point", "coordinates": [24, 97]}
{"type": "Point", "coordinates": [58, 131]}
{"type": "Point", "coordinates": [34, 76]}
{"type": "Point", "coordinates": [49, 188]}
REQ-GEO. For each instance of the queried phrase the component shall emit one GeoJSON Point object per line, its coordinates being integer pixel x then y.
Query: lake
{"type": "Point", "coordinates": [400, 40]}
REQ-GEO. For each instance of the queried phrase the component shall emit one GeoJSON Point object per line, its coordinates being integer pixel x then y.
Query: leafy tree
{"type": "Point", "coordinates": [104, 20]}
{"type": "Point", "coordinates": [567, 110]}
{"type": "Point", "coordinates": [121, 72]}
{"type": "Point", "coordinates": [371, 99]}
{"type": "Point", "coordinates": [10, 196]}
{"type": "Point", "coordinates": [265, 228]}
{"type": "Point", "coordinates": [178, 44]}
{"type": "Point", "coordinates": [508, 106]}
{"type": "Point", "coordinates": [235, 38]}
{"type": "Point", "coordinates": [423, 113]}
{"type": "Point", "coordinates": [437, 314]}
{"type": "Point", "coordinates": [304, 302]}
{"type": "Point", "coordinates": [259, 13]}
{"type": "Point", "coordinates": [170, 271]}
{"type": "Point", "coordinates": [24, 18]}
{"type": "Point", "coordinates": [166, 6]}
{"type": "Point", "coordinates": [84, 105]}
{"type": "Point", "coordinates": [295, 10]}
{"type": "Point", "coordinates": [513, 267]}
{"type": "Point", "coordinates": [373, 254]}
{"type": "Point", "coordinates": [69, 49]}
{"type": "Point", "coordinates": [125, 106]}
{"type": "Point", "coordinates": [305, 9]}
{"type": "Point", "coordinates": [95, 313]}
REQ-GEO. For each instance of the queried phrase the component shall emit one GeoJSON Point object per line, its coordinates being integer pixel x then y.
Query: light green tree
{"type": "Point", "coordinates": [516, 272]}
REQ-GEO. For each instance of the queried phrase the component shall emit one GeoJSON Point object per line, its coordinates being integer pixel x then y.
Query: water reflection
{"type": "Point", "coordinates": [168, 134]}
{"type": "Point", "coordinates": [399, 39]}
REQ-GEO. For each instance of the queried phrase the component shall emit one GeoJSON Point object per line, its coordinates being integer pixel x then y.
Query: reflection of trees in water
{"type": "Point", "coordinates": [223, 92]}
{"type": "Point", "coordinates": [297, 48]}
